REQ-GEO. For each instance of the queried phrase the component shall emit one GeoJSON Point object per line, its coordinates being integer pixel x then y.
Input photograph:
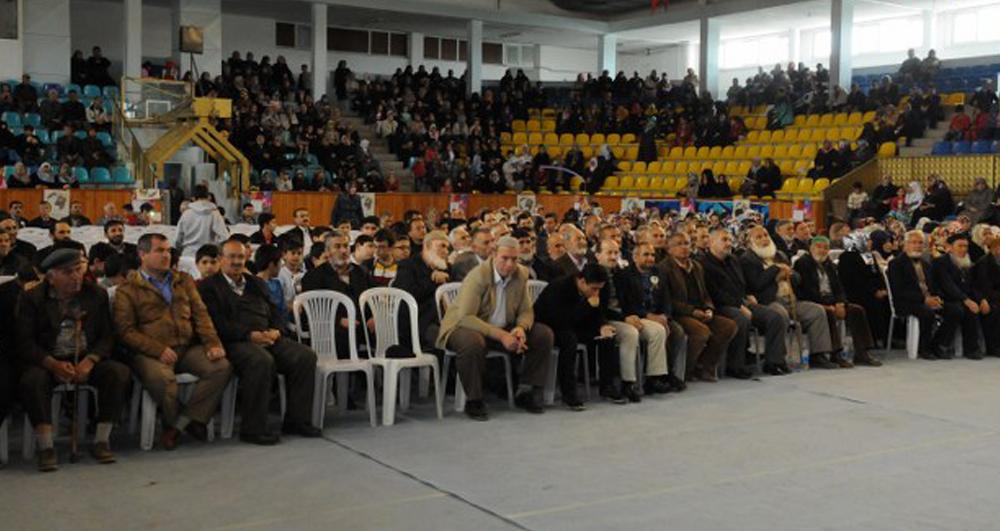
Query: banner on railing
{"type": "Point", "coordinates": [367, 203]}
{"type": "Point", "coordinates": [722, 208]}
{"type": "Point", "coordinates": [59, 201]}
{"type": "Point", "coordinates": [261, 201]}
{"type": "Point", "coordinates": [460, 203]}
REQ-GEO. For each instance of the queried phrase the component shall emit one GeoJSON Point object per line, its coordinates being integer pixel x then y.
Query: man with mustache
{"type": "Point", "coordinates": [770, 280]}
{"type": "Point", "coordinates": [915, 292]}
{"type": "Point", "coordinates": [577, 250]}
{"type": "Point", "coordinates": [420, 276]}
{"type": "Point", "coordinates": [538, 268]}
{"type": "Point", "coordinates": [953, 274]}
{"type": "Point", "coordinates": [480, 250]}
{"type": "Point", "coordinates": [114, 231]}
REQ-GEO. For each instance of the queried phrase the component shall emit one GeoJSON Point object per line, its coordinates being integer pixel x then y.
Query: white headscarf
{"type": "Point", "coordinates": [915, 195]}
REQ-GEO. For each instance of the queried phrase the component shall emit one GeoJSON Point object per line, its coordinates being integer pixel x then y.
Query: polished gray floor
{"type": "Point", "coordinates": [913, 445]}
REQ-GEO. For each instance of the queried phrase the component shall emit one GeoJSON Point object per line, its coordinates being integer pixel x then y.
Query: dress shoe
{"type": "Point", "coordinates": [476, 410]}
{"type": "Point", "coordinates": [170, 438]}
{"type": "Point", "coordinates": [572, 403]}
{"type": "Point", "coordinates": [865, 358]}
{"type": "Point", "coordinates": [773, 369]}
{"type": "Point", "coordinates": [676, 384]}
{"type": "Point", "coordinates": [973, 355]}
{"type": "Point", "coordinates": [47, 460]}
{"type": "Point", "coordinates": [612, 394]}
{"type": "Point", "coordinates": [841, 361]}
{"type": "Point", "coordinates": [260, 439]}
{"type": "Point", "coordinates": [944, 354]}
{"type": "Point", "coordinates": [101, 452]}
{"type": "Point", "coordinates": [197, 430]}
{"type": "Point", "coordinates": [820, 361]}
{"type": "Point", "coordinates": [927, 356]}
{"type": "Point", "coordinates": [302, 429]}
{"type": "Point", "coordinates": [656, 385]}
{"type": "Point", "coordinates": [529, 402]}
{"type": "Point", "coordinates": [631, 391]}
{"type": "Point", "coordinates": [739, 374]}
{"type": "Point", "coordinates": [707, 375]}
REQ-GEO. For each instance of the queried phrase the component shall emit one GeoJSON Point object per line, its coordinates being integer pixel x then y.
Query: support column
{"type": "Point", "coordinates": [607, 54]}
{"type": "Point", "coordinates": [207, 15]}
{"type": "Point", "coordinates": [930, 23]}
{"type": "Point", "coordinates": [708, 56]}
{"type": "Point", "coordinates": [794, 45]}
{"type": "Point", "coordinates": [841, 32]}
{"type": "Point", "coordinates": [320, 68]}
{"type": "Point", "coordinates": [474, 62]}
{"type": "Point", "coordinates": [132, 49]}
{"type": "Point", "coordinates": [46, 40]}
{"type": "Point", "coordinates": [12, 49]}
{"type": "Point", "coordinates": [415, 49]}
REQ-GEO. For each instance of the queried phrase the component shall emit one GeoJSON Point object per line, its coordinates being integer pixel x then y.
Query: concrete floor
{"type": "Point", "coordinates": [910, 446]}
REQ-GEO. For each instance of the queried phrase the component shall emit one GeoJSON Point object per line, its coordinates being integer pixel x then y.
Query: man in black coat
{"type": "Point", "coordinates": [348, 207]}
{"type": "Point", "coordinates": [915, 292]}
{"type": "Point", "coordinates": [538, 268]}
{"type": "Point", "coordinates": [420, 276]}
{"type": "Point", "coordinates": [952, 273]}
{"type": "Point", "coordinates": [250, 327]}
{"type": "Point", "coordinates": [986, 274]}
{"type": "Point", "coordinates": [571, 307]}
{"type": "Point", "coordinates": [114, 231]}
{"type": "Point", "coordinates": [819, 282]}
{"type": "Point", "coordinates": [728, 290]}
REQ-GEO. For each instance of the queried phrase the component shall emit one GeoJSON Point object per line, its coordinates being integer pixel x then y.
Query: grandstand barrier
{"type": "Point", "coordinates": [320, 204]}
{"type": "Point", "coordinates": [959, 171]}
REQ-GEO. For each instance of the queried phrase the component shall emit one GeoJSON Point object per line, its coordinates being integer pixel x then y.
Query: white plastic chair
{"type": "Point", "coordinates": [229, 404]}
{"type": "Point", "coordinates": [535, 288]}
{"type": "Point", "coordinates": [443, 296]}
{"type": "Point", "coordinates": [82, 406]}
{"type": "Point", "coordinates": [383, 305]}
{"type": "Point", "coordinates": [912, 324]}
{"type": "Point", "coordinates": [320, 308]}
{"type": "Point", "coordinates": [142, 399]}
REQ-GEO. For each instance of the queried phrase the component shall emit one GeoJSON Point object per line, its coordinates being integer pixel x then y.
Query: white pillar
{"type": "Point", "coordinates": [474, 59]}
{"type": "Point", "coordinates": [132, 49]}
{"type": "Point", "coordinates": [607, 54]}
{"type": "Point", "coordinates": [12, 50]}
{"type": "Point", "coordinates": [415, 49]}
{"type": "Point", "coordinates": [320, 68]}
{"type": "Point", "coordinates": [708, 56]}
{"type": "Point", "coordinates": [841, 32]}
{"type": "Point", "coordinates": [535, 73]}
{"type": "Point", "coordinates": [207, 15]}
{"type": "Point", "coordinates": [794, 45]}
{"type": "Point", "coordinates": [46, 40]}
{"type": "Point", "coordinates": [930, 30]}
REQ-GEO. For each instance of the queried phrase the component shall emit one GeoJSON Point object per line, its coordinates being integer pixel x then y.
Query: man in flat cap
{"type": "Point", "coordinates": [64, 335]}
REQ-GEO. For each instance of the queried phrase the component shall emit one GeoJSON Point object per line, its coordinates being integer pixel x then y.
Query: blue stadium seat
{"type": "Point", "coordinates": [105, 139]}
{"type": "Point", "coordinates": [32, 119]}
{"type": "Point", "coordinates": [12, 119]}
{"type": "Point", "coordinates": [8, 171]}
{"type": "Point", "coordinates": [941, 148]}
{"type": "Point", "coordinates": [121, 175]}
{"type": "Point", "coordinates": [982, 147]}
{"type": "Point", "coordinates": [100, 175]}
{"type": "Point", "coordinates": [962, 147]}
{"type": "Point", "coordinates": [43, 135]}
{"type": "Point", "coordinates": [81, 175]}
{"type": "Point", "coordinates": [73, 87]}
{"type": "Point", "coordinates": [56, 135]}
{"type": "Point", "coordinates": [110, 92]}
{"type": "Point", "coordinates": [81, 134]}
{"type": "Point", "coordinates": [91, 91]}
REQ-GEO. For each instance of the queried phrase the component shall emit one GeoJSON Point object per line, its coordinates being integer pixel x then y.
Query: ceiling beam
{"type": "Point", "coordinates": [688, 12]}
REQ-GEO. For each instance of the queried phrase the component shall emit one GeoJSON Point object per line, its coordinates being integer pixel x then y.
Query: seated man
{"type": "Point", "coordinates": [630, 328]}
{"type": "Point", "coordinates": [481, 249]}
{"type": "Point", "coordinates": [538, 268]}
{"type": "Point", "coordinates": [114, 231]}
{"type": "Point", "coordinates": [64, 335]}
{"type": "Point", "coordinates": [251, 329]}
{"type": "Point", "coordinates": [986, 273]}
{"type": "Point", "coordinates": [363, 252]}
{"type": "Point", "coordinates": [914, 292]}
{"type": "Point", "coordinates": [11, 263]}
{"type": "Point", "coordinates": [728, 290]}
{"type": "Point", "coordinates": [709, 334]}
{"type": "Point", "coordinates": [384, 266]}
{"type": "Point", "coordinates": [952, 274]}
{"type": "Point", "coordinates": [494, 311]}
{"type": "Point", "coordinates": [770, 279]}
{"type": "Point", "coordinates": [206, 259]}
{"type": "Point", "coordinates": [60, 233]}
{"type": "Point", "coordinates": [162, 320]}
{"type": "Point", "coordinates": [577, 250]}
{"type": "Point", "coordinates": [420, 276]}
{"type": "Point", "coordinates": [819, 282]}
{"type": "Point", "coordinates": [571, 306]}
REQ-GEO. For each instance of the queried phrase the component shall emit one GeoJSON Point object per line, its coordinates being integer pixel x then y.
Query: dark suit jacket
{"type": "Point", "coordinates": [566, 265]}
{"type": "Point", "coordinates": [859, 280]}
{"type": "Point", "coordinates": [761, 282]}
{"type": "Point", "coordinates": [906, 294]}
{"type": "Point", "coordinates": [681, 299]}
{"type": "Point", "coordinates": [955, 284]}
{"type": "Point", "coordinates": [807, 288]}
{"type": "Point", "coordinates": [986, 274]}
{"type": "Point", "coordinates": [324, 277]}
{"type": "Point", "coordinates": [220, 299]}
{"type": "Point", "coordinates": [726, 284]}
{"type": "Point", "coordinates": [39, 321]}
{"type": "Point", "coordinates": [465, 262]}
{"type": "Point", "coordinates": [414, 277]}
{"type": "Point", "coordinates": [563, 308]}
{"type": "Point", "coordinates": [543, 269]}
{"type": "Point", "coordinates": [628, 286]}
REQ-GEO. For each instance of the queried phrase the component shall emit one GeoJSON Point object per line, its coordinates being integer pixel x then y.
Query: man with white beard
{"type": "Point", "coordinates": [770, 279]}
{"type": "Point", "coordinates": [915, 292]}
{"type": "Point", "coordinates": [577, 250]}
{"type": "Point", "coordinates": [952, 273]}
{"type": "Point", "coordinates": [460, 240]}
{"type": "Point", "coordinates": [420, 276]}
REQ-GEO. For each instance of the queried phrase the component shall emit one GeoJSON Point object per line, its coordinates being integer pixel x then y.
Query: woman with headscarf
{"type": "Point", "coordinates": [20, 178]}
{"type": "Point", "coordinates": [44, 176]}
{"type": "Point", "coordinates": [938, 202]}
{"type": "Point", "coordinates": [978, 240]}
{"type": "Point", "coordinates": [862, 279]}
{"type": "Point", "coordinates": [978, 200]}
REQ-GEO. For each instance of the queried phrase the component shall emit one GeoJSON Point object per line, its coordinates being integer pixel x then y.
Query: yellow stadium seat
{"type": "Point", "coordinates": [681, 168]}
{"type": "Point", "coordinates": [654, 167]}
{"type": "Point", "coordinates": [833, 134]}
{"type": "Point", "coordinates": [795, 151]}
{"type": "Point", "coordinates": [855, 118]}
{"type": "Point", "coordinates": [767, 151]}
{"type": "Point", "coordinates": [818, 135]}
{"type": "Point", "coordinates": [582, 139]}
{"type": "Point", "coordinates": [840, 119]}
{"type": "Point", "coordinates": [727, 152]}
{"type": "Point", "coordinates": [778, 136]}
{"type": "Point", "coordinates": [534, 138]}
{"type": "Point", "coordinates": [627, 183]}
{"type": "Point", "coordinates": [662, 152]}
{"type": "Point", "coordinates": [705, 165]}
{"type": "Point", "coordinates": [639, 167]}
{"type": "Point", "coordinates": [597, 139]}
{"type": "Point", "coordinates": [548, 125]}
{"type": "Point", "coordinates": [887, 149]}
{"type": "Point", "coordinates": [850, 133]}
{"type": "Point", "coordinates": [611, 183]}
{"type": "Point", "coordinates": [505, 138]}
{"type": "Point", "coordinates": [533, 150]}
{"type": "Point", "coordinates": [788, 187]}
{"type": "Point", "coordinates": [805, 186]}
{"type": "Point", "coordinates": [809, 152]}
{"type": "Point", "coordinates": [520, 138]}
{"type": "Point", "coordinates": [715, 152]}
{"type": "Point", "coordinates": [787, 167]}
{"type": "Point", "coordinates": [732, 168]}
{"type": "Point", "coordinates": [656, 183]}
{"type": "Point", "coordinates": [518, 126]}
{"type": "Point", "coordinates": [957, 98]}
{"type": "Point", "coordinates": [534, 125]}
{"type": "Point", "coordinates": [534, 112]}
{"type": "Point", "coordinates": [780, 152]}
{"type": "Point", "coordinates": [632, 152]}
{"type": "Point", "coordinates": [690, 152]}
{"type": "Point", "coordinates": [734, 184]}
{"type": "Point", "coordinates": [668, 184]}
{"type": "Point", "coordinates": [575, 182]}
{"type": "Point", "coordinates": [587, 151]}
{"type": "Point", "coordinates": [765, 137]}
{"type": "Point", "coordinates": [676, 152]}
{"type": "Point", "coordinates": [760, 122]}
{"type": "Point", "coordinates": [628, 138]}
{"type": "Point", "coordinates": [812, 120]}
{"type": "Point", "coordinates": [826, 120]}
{"type": "Point", "coordinates": [719, 168]}
{"type": "Point", "coordinates": [741, 152]}
{"type": "Point", "coordinates": [743, 168]}
{"type": "Point", "coordinates": [753, 137]}
{"type": "Point", "coordinates": [799, 121]}
{"type": "Point", "coordinates": [820, 185]}
{"type": "Point", "coordinates": [868, 117]}
{"type": "Point", "coordinates": [614, 139]}
{"type": "Point", "coordinates": [702, 152]}
{"type": "Point", "coordinates": [642, 182]}
{"type": "Point", "coordinates": [551, 139]}
{"type": "Point", "coordinates": [566, 139]}
{"type": "Point", "coordinates": [619, 152]}
{"type": "Point", "coordinates": [667, 166]}
{"type": "Point", "coordinates": [549, 113]}
{"type": "Point", "coordinates": [802, 166]}
{"type": "Point", "coordinates": [753, 152]}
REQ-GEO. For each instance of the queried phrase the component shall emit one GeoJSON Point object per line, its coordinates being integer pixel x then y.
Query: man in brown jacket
{"type": "Point", "coordinates": [161, 319]}
{"type": "Point", "coordinates": [708, 334]}
{"type": "Point", "coordinates": [494, 311]}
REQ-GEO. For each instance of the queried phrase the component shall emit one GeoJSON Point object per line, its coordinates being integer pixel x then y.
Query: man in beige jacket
{"type": "Point", "coordinates": [493, 311]}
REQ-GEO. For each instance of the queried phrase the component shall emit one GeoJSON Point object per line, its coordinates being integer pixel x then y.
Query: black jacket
{"type": "Point", "coordinates": [563, 308]}
{"type": "Point", "coordinates": [628, 286]}
{"type": "Point", "coordinates": [220, 299]}
{"type": "Point", "coordinates": [347, 208]}
{"type": "Point", "coordinates": [39, 321]}
{"type": "Point", "coordinates": [954, 283]}
{"type": "Point", "coordinates": [324, 277]}
{"type": "Point", "coordinates": [761, 283]}
{"type": "Point", "coordinates": [986, 274]}
{"type": "Point", "coordinates": [859, 280]}
{"type": "Point", "coordinates": [906, 294]}
{"type": "Point", "coordinates": [414, 277]}
{"type": "Point", "coordinates": [543, 269]}
{"type": "Point", "coordinates": [807, 288]}
{"type": "Point", "coordinates": [725, 281]}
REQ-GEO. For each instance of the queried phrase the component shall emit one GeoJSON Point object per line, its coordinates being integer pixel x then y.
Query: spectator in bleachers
{"type": "Point", "coordinates": [78, 68]}
{"type": "Point", "coordinates": [97, 116]}
{"type": "Point", "coordinates": [25, 95]}
{"type": "Point", "coordinates": [97, 69]}
{"type": "Point", "coordinates": [51, 110]}
{"type": "Point", "coordinates": [73, 111]}
{"type": "Point", "coordinates": [985, 97]}
{"type": "Point", "coordinates": [201, 223]}
{"type": "Point", "coordinates": [93, 152]}
{"type": "Point", "coordinates": [912, 68]}
{"type": "Point", "coordinates": [977, 201]}
{"type": "Point", "coordinates": [930, 66]}
{"type": "Point", "coordinates": [30, 148]}
{"type": "Point", "coordinates": [938, 201]}
{"type": "Point", "coordinates": [69, 147]}
{"type": "Point", "coordinates": [960, 125]}
{"type": "Point", "coordinates": [348, 207]}
{"type": "Point", "coordinates": [20, 178]}
{"type": "Point", "coordinates": [710, 188]}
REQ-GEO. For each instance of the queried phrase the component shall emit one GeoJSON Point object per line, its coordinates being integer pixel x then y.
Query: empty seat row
{"type": "Point", "coordinates": [90, 91]}
{"type": "Point", "coordinates": [96, 175]}
{"type": "Point", "coordinates": [805, 134]}
{"type": "Point", "coordinates": [963, 147]}
{"type": "Point", "coordinates": [566, 139]}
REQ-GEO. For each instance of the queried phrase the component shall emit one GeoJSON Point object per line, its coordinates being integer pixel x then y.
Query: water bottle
{"type": "Point", "coordinates": [803, 359]}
